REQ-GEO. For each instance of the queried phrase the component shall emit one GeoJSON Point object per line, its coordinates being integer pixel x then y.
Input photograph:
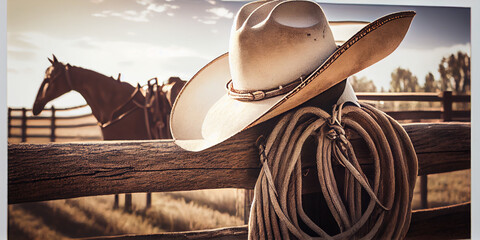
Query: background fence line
{"type": "Point", "coordinates": [446, 98]}
{"type": "Point", "coordinates": [49, 122]}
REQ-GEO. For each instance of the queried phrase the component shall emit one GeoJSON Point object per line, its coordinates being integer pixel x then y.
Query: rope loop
{"type": "Point", "coordinates": [374, 206]}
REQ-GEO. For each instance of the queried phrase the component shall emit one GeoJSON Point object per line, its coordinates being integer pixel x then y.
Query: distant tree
{"type": "Point", "coordinates": [403, 81]}
{"type": "Point", "coordinates": [430, 84]}
{"type": "Point", "coordinates": [455, 73]}
{"type": "Point", "coordinates": [363, 84]}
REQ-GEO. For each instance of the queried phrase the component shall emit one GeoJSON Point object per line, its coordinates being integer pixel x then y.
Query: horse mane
{"type": "Point", "coordinates": [102, 76]}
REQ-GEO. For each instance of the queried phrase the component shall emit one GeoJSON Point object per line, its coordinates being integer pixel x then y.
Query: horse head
{"type": "Point", "coordinates": [55, 84]}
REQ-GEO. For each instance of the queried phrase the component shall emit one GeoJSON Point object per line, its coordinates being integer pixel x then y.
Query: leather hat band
{"type": "Point", "coordinates": [256, 95]}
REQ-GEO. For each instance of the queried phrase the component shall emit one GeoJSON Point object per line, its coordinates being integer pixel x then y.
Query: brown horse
{"type": "Point", "coordinates": [123, 112]}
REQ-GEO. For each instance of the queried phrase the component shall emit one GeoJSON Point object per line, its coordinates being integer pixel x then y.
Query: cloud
{"type": "Point", "coordinates": [20, 55]}
{"type": "Point", "coordinates": [214, 15]}
{"type": "Point", "coordinates": [21, 46]}
{"type": "Point", "coordinates": [84, 42]}
{"type": "Point", "coordinates": [129, 15]}
{"type": "Point", "coordinates": [212, 2]}
{"type": "Point", "coordinates": [419, 61]}
{"type": "Point", "coordinates": [20, 40]}
{"type": "Point", "coordinates": [143, 15]}
{"type": "Point", "coordinates": [159, 8]}
{"type": "Point", "coordinates": [221, 12]}
{"type": "Point", "coordinates": [96, 1]}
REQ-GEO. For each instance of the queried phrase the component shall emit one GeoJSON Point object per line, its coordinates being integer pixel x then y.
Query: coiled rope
{"type": "Point", "coordinates": [277, 211]}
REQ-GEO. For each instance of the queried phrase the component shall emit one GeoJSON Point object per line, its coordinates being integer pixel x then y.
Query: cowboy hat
{"type": "Point", "coordinates": [281, 54]}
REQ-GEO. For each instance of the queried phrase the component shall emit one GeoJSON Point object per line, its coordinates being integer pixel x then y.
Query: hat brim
{"type": "Point", "coordinates": [203, 105]}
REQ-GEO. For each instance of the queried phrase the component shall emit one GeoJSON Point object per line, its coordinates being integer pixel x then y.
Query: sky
{"type": "Point", "coordinates": [143, 39]}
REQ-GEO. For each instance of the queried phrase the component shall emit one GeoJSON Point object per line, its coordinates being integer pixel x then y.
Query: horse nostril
{"type": "Point", "coordinates": [37, 108]}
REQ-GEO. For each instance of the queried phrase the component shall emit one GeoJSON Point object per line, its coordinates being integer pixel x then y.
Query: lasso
{"type": "Point", "coordinates": [277, 209]}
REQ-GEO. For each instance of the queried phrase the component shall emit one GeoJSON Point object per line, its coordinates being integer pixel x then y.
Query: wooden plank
{"type": "Point", "coordinates": [231, 233]}
{"type": "Point", "coordinates": [57, 170]}
{"type": "Point", "coordinates": [417, 97]}
{"type": "Point", "coordinates": [58, 126]}
{"type": "Point", "coordinates": [38, 172]}
{"type": "Point", "coordinates": [57, 137]}
{"type": "Point", "coordinates": [461, 98]}
{"type": "Point", "coordinates": [461, 114]}
{"type": "Point", "coordinates": [59, 117]}
{"type": "Point", "coordinates": [415, 115]}
{"type": "Point", "coordinates": [451, 222]}
{"type": "Point", "coordinates": [422, 97]}
{"type": "Point", "coordinates": [57, 109]}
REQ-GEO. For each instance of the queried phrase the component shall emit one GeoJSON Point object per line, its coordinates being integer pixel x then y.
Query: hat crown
{"type": "Point", "coordinates": [273, 43]}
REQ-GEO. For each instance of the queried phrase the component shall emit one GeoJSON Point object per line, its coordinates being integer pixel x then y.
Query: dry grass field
{"type": "Point", "coordinates": [95, 216]}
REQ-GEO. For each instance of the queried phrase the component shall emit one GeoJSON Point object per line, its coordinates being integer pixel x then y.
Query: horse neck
{"type": "Point", "coordinates": [103, 94]}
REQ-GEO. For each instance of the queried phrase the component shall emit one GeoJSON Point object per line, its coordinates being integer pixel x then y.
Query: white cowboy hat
{"type": "Point", "coordinates": [281, 54]}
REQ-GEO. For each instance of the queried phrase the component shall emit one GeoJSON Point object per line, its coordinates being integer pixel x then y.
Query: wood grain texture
{"type": "Point", "coordinates": [450, 222]}
{"type": "Point", "coordinates": [38, 172]}
{"type": "Point", "coordinates": [232, 233]}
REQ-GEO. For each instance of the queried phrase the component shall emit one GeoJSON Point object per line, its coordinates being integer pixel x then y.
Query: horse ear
{"type": "Point", "coordinates": [50, 60]}
{"type": "Point", "coordinates": [54, 58]}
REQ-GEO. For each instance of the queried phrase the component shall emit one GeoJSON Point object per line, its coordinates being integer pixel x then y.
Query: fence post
{"type": "Point", "coordinates": [52, 125]}
{"type": "Point", "coordinates": [116, 201]}
{"type": "Point", "coordinates": [447, 106]}
{"type": "Point", "coordinates": [24, 125]}
{"type": "Point", "coordinates": [447, 102]}
{"type": "Point", "coordinates": [424, 191]}
{"type": "Point", "coordinates": [149, 200]}
{"type": "Point", "coordinates": [247, 204]}
{"type": "Point", "coordinates": [9, 122]}
{"type": "Point", "coordinates": [128, 203]}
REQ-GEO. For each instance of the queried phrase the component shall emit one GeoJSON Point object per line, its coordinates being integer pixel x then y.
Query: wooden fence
{"type": "Point", "coordinates": [49, 126]}
{"type": "Point", "coordinates": [97, 168]}
{"type": "Point", "coordinates": [446, 100]}
{"type": "Point", "coordinates": [446, 114]}
{"type": "Point", "coordinates": [111, 167]}
{"type": "Point", "coordinates": [46, 127]}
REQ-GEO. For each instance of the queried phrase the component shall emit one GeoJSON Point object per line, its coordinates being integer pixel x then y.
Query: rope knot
{"type": "Point", "coordinates": [336, 130]}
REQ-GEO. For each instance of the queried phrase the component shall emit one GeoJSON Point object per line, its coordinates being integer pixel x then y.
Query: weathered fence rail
{"type": "Point", "coordinates": [40, 172]}
{"type": "Point", "coordinates": [446, 98]}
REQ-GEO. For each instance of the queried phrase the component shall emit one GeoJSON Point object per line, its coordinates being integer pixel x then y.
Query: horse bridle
{"type": "Point", "coordinates": [121, 116]}
{"type": "Point", "coordinates": [67, 76]}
